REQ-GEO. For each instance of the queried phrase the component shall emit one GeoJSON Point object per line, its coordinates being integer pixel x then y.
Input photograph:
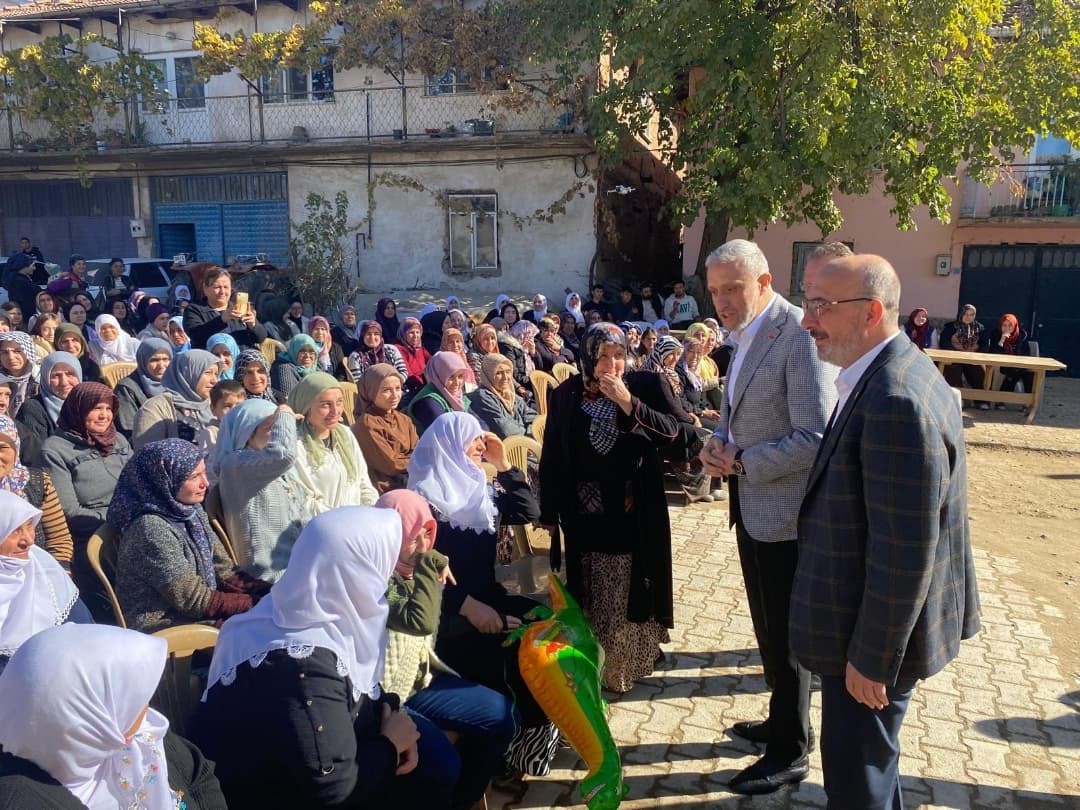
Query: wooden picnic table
{"type": "Point", "coordinates": [1038, 366]}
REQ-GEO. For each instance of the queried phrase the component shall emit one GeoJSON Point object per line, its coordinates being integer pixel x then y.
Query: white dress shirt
{"type": "Point", "coordinates": [849, 377]}
{"type": "Point", "coordinates": [742, 339]}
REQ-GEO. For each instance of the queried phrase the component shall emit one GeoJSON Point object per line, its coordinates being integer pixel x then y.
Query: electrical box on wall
{"type": "Point", "coordinates": [138, 228]}
{"type": "Point", "coordinates": [943, 264]}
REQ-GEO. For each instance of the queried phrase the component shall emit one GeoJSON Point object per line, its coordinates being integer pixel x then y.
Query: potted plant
{"type": "Point", "coordinates": [22, 141]}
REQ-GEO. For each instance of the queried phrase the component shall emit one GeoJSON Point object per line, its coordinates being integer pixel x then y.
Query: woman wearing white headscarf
{"type": "Point", "coordinates": [35, 592]}
{"type": "Point", "coordinates": [303, 669]}
{"type": "Point", "coordinates": [183, 410]}
{"type": "Point", "coordinates": [477, 611]}
{"type": "Point", "coordinates": [77, 731]}
{"type": "Point", "coordinates": [264, 501]}
{"type": "Point", "coordinates": [573, 306]}
{"type": "Point", "coordinates": [111, 344]}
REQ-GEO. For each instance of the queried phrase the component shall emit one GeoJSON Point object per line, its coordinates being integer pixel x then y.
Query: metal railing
{"type": "Point", "coordinates": [1024, 190]}
{"type": "Point", "coordinates": [376, 113]}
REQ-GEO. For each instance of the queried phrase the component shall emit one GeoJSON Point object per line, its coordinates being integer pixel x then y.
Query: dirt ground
{"type": "Point", "coordinates": [1024, 503]}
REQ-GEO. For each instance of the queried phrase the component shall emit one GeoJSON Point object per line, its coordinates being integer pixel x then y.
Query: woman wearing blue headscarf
{"type": "Point", "coordinates": [264, 501]}
{"type": "Point", "coordinates": [171, 568]}
{"type": "Point", "coordinates": [225, 348]}
{"type": "Point", "coordinates": [178, 336]}
{"type": "Point", "coordinates": [152, 360]}
{"type": "Point", "coordinates": [300, 358]}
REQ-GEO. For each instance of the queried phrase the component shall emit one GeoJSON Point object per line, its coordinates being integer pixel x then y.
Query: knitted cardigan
{"type": "Point", "coordinates": [415, 607]}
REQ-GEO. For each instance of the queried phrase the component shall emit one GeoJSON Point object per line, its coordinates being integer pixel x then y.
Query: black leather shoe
{"type": "Point", "coordinates": [765, 776]}
{"type": "Point", "coordinates": [757, 731]}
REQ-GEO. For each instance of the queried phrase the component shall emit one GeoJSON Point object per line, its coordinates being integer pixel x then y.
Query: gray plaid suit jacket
{"type": "Point", "coordinates": [777, 412]}
{"type": "Point", "coordinates": [885, 577]}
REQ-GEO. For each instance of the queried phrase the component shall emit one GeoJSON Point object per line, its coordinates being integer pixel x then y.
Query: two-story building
{"type": "Point", "coordinates": [447, 186]}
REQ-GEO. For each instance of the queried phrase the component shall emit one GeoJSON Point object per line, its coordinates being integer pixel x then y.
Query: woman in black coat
{"type": "Point", "coordinates": [220, 314]}
{"type": "Point", "coordinates": [1009, 338]}
{"type": "Point", "coordinates": [601, 483]}
{"type": "Point", "coordinates": [446, 470]}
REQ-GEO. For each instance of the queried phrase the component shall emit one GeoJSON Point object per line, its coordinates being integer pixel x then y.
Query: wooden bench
{"type": "Point", "coordinates": [1038, 366]}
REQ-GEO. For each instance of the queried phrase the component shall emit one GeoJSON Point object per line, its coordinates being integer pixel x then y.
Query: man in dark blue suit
{"type": "Point", "coordinates": [885, 583]}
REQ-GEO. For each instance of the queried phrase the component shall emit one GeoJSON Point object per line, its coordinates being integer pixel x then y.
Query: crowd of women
{"type": "Point", "coordinates": [351, 570]}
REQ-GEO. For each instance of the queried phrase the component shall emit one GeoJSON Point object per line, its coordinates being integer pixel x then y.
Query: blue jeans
{"type": "Point", "coordinates": [486, 721]}
{"type": "Point", "coordinates": [438, 770]}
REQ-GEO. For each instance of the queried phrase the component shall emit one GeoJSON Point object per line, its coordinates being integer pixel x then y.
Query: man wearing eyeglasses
{"type": "Point", "coordinates": [772, 415]}
{"type": "Point", "coordinates": [885, 583]}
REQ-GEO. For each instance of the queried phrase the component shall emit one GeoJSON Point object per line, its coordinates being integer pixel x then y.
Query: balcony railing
{"type": "Point", "coordinates": [370, 114]}
{"type": "Point", "coordinates": [1024, 190]}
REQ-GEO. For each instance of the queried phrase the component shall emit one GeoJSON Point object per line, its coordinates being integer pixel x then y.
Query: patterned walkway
{"type": "Point", "coordinates": [999, 728]}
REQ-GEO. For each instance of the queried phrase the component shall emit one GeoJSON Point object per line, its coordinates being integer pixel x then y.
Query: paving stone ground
{"type": "Point", "coordinates": [998, 728]}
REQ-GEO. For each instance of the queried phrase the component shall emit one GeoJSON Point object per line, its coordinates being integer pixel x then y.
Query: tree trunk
{"type": "Point", "coordinates": [713, 235]}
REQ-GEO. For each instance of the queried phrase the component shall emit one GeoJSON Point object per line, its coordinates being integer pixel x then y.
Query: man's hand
{"type": "Point", "coordinates": [718, 456]}
{"type": "Point", "coordinates": [867, 692]}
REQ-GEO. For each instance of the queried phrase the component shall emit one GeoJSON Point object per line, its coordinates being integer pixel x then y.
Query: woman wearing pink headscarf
{"type": "Point", "coordinates": [416, 674]}
{"type": "Point", "coordinates": [446, 373]}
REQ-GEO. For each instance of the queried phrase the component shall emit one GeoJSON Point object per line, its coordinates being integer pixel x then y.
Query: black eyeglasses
{"type": "Point", "coordinates": [819, 305]}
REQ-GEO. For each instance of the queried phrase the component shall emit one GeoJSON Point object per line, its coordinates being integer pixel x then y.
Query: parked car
{"type": "Point", "coordinates": [152, 276]}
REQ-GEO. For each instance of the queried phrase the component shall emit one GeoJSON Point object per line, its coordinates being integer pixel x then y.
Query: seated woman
{"type": "Point", "coordinates": [43, 332]}
{"type": "Point", "coordinates": [183, 410]}
{"type": "Point", "coordinates": [265, 503]}
{"type": "Point", "coordinates": [484, 719]}
{"type": "Point", "coordinates": [111, 344]}
{"type": "Point", "coordinates": [496, 404]}
{"type": "Point", "coordinates": [444, 392]}
{"type": "Point", "coordinates": [510, 313]}
{"type": "Point", "coordinates": [220, 313]}
{"type": "Point", "coordinates": [692, 384]}
{"type": "Point", "coordinates": [549, 346]}
{"type": "Point", "coordinates": [77, 313]}
{"type": "Point", "coordinates": [1009, 338]}
{"type": "Point", "coordinates": [568, 331]}
{"type": "Point", "coordinates": [157, 326]}
{"type": "Point", "coordinates": [253, 371]}
{"type": "Point", "coordinates": [151, 362]}
{"type": "Point", "coordinates": [410, 345]}
{"type": "Point", "coordinates": [124, 754]}
{"type": "Point", "coordinates": [18, 366]}
{"type": "Point", "coordinates": [171, 567]}
{"type": "Point", "coordinates": [386, 315]}
{"type": "Point", "coordinates": [707, 368]}
{"type": "Point", "coordinates": [602, 483]}
{"type": "Point", "coordinates": [386, 436]}
{"type": "Point", "coordinates": [84, 459]}
{"type": "Point", "coordinates": [346, 330]}
{"type": "Point", "coordinates": [34, 485]}
{"type": "Point", "coordinates": [303, 668]}
{"type": "Point", "coordinates": [35, 592]}
{"type": "Point", "coordinates": [373, 349]}
{"type": "Point", "coordinates": [525, 333]}
{"type": "Point", "coordinates": [453, 340]}
{"type": "Point", "coordinates": [224, 348]}
{"type": "Point", "coordinates": [485, 342]}
{"type": "Point", "coordinates": [328, 459]}
{"type": "Point", "coordinates": [647, 344]}
{"type": "Point", "coordinates": [178, 338]}
{"type": "Point", "coordinates": [69, 339]}
{"type": "Point", "coordinates": [476, 610]}
{"type": "Point", "coordinates": [920, 330]}
{"type": "Point", "coordinates": [299, 359]}
{"type": "Point", "coordinates": [965, 334]}
{"type": "Point", "coordinates": [330, 356]}
{"type": "Point", "coordinates": [38, 416]}
{"type": "Point", "coordinates": [118, 308]}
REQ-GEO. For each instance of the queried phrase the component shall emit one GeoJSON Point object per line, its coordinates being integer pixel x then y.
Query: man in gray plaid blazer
{"type": "Point", "coordinates": [885, 584]}
{"type": "Point", "coordinates": [771, 420]}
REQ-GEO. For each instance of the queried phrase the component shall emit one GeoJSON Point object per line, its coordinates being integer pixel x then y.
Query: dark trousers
{"type": "Point", "coordinates": [485, 720]}
{"type": "Point", "coordinates": [860, 747]}
{"type": "Point", "coordinates": [768, 573]}
{"type": "Point", "coordinates": [958, 372]}
{"type": "Point", "coordinates": [1012, 376]}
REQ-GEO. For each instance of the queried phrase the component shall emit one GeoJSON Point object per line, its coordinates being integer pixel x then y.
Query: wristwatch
{"type": "Point", "coordinates": [737, 467]}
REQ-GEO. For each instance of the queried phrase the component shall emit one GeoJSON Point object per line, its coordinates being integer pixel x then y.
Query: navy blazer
{"type": "Point", "coordinates": [885, 576]}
